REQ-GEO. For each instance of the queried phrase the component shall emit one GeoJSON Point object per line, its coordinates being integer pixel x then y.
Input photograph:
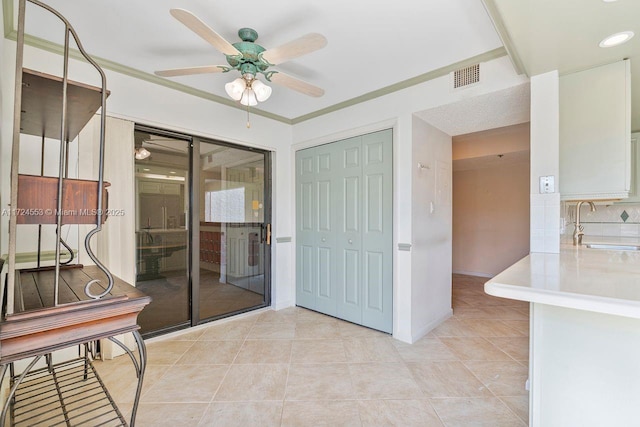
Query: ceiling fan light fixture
{"type": "Point", "coordinates": [141, 153]}
{"type": "Point", "coordinates": [236, 88]}
{"type": "Point", "coordinates": [249, 59]}
{"type": "Point", "coordinates": [249, 98]}
{"type": "Point", "coordinates": [263, 92]}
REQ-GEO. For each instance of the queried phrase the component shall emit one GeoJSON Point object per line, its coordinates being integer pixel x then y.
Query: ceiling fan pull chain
{"type": "Point", "coordinates": [248, 122]}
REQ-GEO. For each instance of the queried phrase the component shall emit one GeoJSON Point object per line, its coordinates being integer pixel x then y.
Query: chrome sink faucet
{"type": "Point", "coordinates": [577, 232]}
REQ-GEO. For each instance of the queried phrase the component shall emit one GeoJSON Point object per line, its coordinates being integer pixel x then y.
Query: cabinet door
{"type": "Point", "coordinates": [149, 187]}
{"type": "Point", "coordinates": [173, 189]}
{"type": "Point", "coordinates": [152, 210]}
{"type": "Point", "coordinates": [634, 192]}
{"type": "Point", "coordinates": [635, 167]}
{"type": "Point", "coordinates": [595, 126]}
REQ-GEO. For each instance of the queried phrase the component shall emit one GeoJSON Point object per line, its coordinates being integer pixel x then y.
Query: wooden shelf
{"type": "Point", "coordinates": [42, 328]}
{"type": "Point", "coordinates": [38, 200]}
{"type": "Point", "coordinates": [42, 105]}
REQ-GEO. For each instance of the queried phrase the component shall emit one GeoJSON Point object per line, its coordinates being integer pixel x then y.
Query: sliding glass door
{"type": "Point", "coordinates": [233, 247]}
{"type": "Point", "coordinates": [202, 229]}
{"type": "Point", "coordinates": [162, 252]}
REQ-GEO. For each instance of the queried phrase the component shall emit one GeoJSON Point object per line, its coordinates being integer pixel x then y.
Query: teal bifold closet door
{"type": "Point", "coordinates": [344, 233]}
{"type": "Point", "coordinates": [316, 236]}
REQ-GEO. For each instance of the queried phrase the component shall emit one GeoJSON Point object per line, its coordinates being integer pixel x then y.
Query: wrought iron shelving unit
{"type": "Point", "coordinates": [55, 307]}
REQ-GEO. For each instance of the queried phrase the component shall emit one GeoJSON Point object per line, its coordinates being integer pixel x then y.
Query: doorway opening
{"type": "Point", "coordinates": [490, 200]}
{"type": "Point", "coordinates": [202, 229]}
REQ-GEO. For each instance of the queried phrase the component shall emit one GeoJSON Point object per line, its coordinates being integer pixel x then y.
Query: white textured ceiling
{"type": "Point", "coordinates": [491, 161]}
{"type": "Point", "coordinates": [371, 44]}
{"type": "Point", "coordinates": [495, 110]}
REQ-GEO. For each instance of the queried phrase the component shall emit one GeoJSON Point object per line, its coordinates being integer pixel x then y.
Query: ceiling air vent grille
{"type": "Point", "coordinates": [466, 76]}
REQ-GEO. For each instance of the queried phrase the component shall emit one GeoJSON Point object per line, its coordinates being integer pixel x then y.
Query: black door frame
{"type": "Point", "coordinates": [193, 221]}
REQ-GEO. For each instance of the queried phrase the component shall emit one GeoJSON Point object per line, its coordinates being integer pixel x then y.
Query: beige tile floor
{"type": "Point", "coordinates": [296, 367]}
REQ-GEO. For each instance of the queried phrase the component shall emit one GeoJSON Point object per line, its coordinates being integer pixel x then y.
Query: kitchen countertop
{"type": "Point", "coordinates": [597, 280]}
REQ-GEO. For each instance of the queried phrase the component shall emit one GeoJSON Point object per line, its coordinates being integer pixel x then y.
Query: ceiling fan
{"type": "Point", "coordinates": [250, 59]}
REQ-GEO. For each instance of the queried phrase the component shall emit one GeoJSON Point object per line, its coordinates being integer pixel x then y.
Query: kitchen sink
{"type": "Point", "coordinates": [613, 247]}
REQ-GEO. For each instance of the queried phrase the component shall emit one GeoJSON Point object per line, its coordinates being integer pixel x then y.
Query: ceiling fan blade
{"type": "Point", "coordinates": [295, 48]}
{"type": "Point", "coordinates": [296, 84]}
{"type": "Point", "coordinates": [189, 71]}
{"type": "Point", "coordinates": [203, 30]}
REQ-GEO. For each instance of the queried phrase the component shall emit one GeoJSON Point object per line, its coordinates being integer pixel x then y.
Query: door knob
{"type": "Point", "coordinates": [324, 240]}
{"type": "Point", "coordinates": [350, 241]}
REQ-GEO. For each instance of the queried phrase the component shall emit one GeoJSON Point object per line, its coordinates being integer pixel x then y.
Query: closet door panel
{"type": "Point", "coordinates": [377, 235]}
{"type": "Point", "coordinates": [325, 233]}
{"type": "Point", "coordinates": [306, 272]}
{"type": "Point", "coordinates": [344, 229]}
{"type": "Point", "coordinates": [307, 223]}
{"type": "Point", "coordinates": [349, 240]}
{"type": "Point", "coordinates": [315, 199]}
{"type": "Point", "coordinates": [373, 281]}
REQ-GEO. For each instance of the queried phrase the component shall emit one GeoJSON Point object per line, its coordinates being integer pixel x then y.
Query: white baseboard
{"type": "Point", "coordinates": [473, 273]}
{"type": "Point", "coordinates": [431, 325]}
{"type": "Point", "coordinates": [282, 304]}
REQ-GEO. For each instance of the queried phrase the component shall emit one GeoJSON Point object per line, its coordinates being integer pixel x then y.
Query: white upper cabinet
{"type": "Point", "coordinates": [634, 194]}
{"type": "Point", "coordinates": [595, 133]}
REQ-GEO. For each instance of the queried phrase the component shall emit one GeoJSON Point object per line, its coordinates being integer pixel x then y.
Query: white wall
{"type": "Point", "coordinates": [545, 159]}
{"type": "Point", "coordinates": [108, 245]}
{"type": "Point", "coordinates": [395, 110]}
{"type": "Point", "coordinates": [154, 105]}
{"type": "Point", "coordinates": [431, 218]}
{"type": "Point", "coordinates": [490, 217]}
{"type": "Point", "coordinates": [490, 199]}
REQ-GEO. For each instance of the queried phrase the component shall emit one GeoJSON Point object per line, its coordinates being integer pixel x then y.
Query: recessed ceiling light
{"type": "Point", "coordinates": [616, 39]}
{"type": "Point", "coordinates": [172, 172]}
{"type": "Point", "coordinates": [146, 169]}
{"type": "Point", "coordinates": [609, 1]}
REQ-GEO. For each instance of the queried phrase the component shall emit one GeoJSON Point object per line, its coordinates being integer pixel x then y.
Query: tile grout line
{"type": "Point", "coordinates": [526, 422]}
{"type": "Point", "coordinates": [170, 365]}
{"type": "Point", "coordinates": [425, 398]}
{"type": "Point", "coordinates": [286, 382]}
{"type": "Point", "coordinates": [213, 396]}
{"type": "Point", "coordinates": [505, 322]}
{"type": "Point", "coordinates": [366, 358]}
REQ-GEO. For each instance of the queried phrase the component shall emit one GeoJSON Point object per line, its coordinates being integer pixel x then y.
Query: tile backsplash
{"type": "Point", "coordinates": [608, 220]}
{"type": "Point", "coordinates": [545, 229]}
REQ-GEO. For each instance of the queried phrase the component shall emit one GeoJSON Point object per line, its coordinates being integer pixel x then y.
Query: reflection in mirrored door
{"type": "Point", "coordinates": [162, 203]}
{"type": "Point", "coordinates": [234, 231]}
{"type": "Point", "coordinates": [202, 229]}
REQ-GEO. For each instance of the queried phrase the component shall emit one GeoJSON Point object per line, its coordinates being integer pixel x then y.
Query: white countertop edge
{"type": "Point", "coordinates": [618, 307]}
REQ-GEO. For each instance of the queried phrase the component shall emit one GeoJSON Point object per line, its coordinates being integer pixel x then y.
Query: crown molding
{"type": "Point", "coordinates": [498, 23]}
{"type": "Point", "coordinates": [39, 43]}
{"type": "Point", "coordinates": [434, 74]}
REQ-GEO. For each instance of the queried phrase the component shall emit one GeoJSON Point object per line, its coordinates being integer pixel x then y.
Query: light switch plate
{"type": "Point", "coordinates": [547, 184]}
